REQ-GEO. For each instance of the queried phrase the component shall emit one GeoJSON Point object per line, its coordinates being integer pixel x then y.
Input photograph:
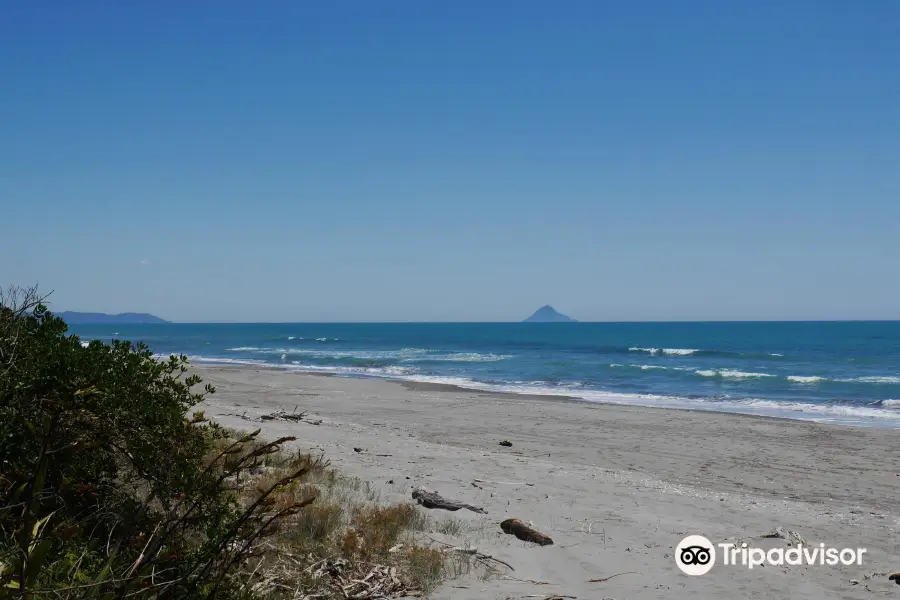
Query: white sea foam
{"type": "Point", "coordinates": [805, 378]}
{"type": "Point", "coordinates": [85, 344]}
{"type": "Point", "coordinates": [385, 372]}
{"type": "Point", "coordinates": [397, 370]}
{"type": "Point", "coordinates": [647, 350]}
{"type": "Point", "coordinates": [322, 339]}
{"type": "Point", "coordinates": [667, 351]}
{"type": "Point", "coordinates": [890, 403]}
{"type": "Point", "coordinates": [390, 371]}
{"type": "Point", "coordinates": [815, 379]}
{"type": "Point", "coordinates": [775, 354]}
{"type": "Point", "coordinates": [653, 367]}
{"type": "Point", "coordinates": [729, 374]}
{"type": "Point", "coordinates": [461, 357]}
{"type": "Point", "coordinates": [833, 412]}
{"type": "Point", "coordinates": [291, 337]}
{"type": "Point", "coordinates": [887, 380]}
{"type": "Point", "coordinates": [224, 361]}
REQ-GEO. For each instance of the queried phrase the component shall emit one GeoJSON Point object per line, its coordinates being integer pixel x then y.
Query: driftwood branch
{"type": "Point", "coordinates": [434, 500]}
{"type": "Point", "coordinates": [479, 556]}
{"type": "Point", "coordinates": [278, 415]}
{"type": "Point", "coordinates": [283, 415]}
{"type": "Point", "coordinates": [531, 581]}
{"type": "Point", "coordinates": [602, 579]}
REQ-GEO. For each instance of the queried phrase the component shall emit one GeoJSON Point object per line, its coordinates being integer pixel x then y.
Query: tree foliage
{"type": "Point", "coordinates": [112, 485]}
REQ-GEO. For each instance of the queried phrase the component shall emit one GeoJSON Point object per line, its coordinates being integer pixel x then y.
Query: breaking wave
{"type": "Point", "coordinates": [225, 361]}
{"type": "Point", "coordinates": [883, 380]}
{"type": "Point", "coordinates": [727, 373]}
{"type": "Point", "coordinates": [666, 351]}
{"type": "Point", "coordinates": [390, 371]}
{"type": "Point", "coordinates": [805, 378]}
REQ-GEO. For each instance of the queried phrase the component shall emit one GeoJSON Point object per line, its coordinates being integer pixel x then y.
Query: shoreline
{"type": "Point", "coordinates": [824, 414]}
{"type": "Point", "coordinates": [616, 486]}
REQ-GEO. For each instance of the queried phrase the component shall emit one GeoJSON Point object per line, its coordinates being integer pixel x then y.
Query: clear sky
{"type": "Point", "coordinates": [410, 160]}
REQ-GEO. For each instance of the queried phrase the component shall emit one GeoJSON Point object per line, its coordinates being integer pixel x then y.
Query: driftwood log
{"type": "Point", "coordinates": [434, 500]}
{"type": "Point", "coordinates": [282, 415]}
{"type": "Point", "coordinates": [524, 532]}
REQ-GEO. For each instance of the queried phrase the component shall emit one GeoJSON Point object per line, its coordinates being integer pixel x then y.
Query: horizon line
{"type": "Point", "coordinates": [575, 322]}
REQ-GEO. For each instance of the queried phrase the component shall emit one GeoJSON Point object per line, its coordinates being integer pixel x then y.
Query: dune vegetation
{"type": "Point", "coordinates": [114, 485]}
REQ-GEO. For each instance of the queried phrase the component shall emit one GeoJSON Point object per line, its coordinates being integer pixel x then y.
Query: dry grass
{"type": "Point", "coordinates": [347, 543]}
{"type": "Point", "coordinates": [426, 566]}
{"type": "Point", "coordinates": [452, 527]}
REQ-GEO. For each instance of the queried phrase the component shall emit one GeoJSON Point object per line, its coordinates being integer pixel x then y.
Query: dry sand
{"type": "Point", "coordinates": [616, 487]}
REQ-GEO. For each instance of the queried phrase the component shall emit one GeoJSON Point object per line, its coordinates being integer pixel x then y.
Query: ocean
{"type": "Point", "coordinates": [835, 372]}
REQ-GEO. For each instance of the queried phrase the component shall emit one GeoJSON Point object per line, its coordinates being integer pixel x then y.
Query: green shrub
{"type": "Point", "coordinates": [113, 485]}
{"type": "Point", "coordinates": [109, 488]}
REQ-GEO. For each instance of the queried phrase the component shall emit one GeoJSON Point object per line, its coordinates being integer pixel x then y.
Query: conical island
{"type": "Point", "coordinates": [547, 314]}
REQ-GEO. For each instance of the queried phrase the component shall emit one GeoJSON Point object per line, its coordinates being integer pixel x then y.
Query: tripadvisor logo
{"type": "Point", "coordinates": [696, 555]}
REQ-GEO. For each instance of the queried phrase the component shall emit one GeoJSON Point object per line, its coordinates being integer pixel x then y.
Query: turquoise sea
{"type": "Point", "coordinates": [838, 372]}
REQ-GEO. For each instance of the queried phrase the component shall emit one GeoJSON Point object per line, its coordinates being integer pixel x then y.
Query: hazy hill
{"type": "Point", "coordinates": [85, 318]}
{"type": "Point", "coordinates": [547, 314]}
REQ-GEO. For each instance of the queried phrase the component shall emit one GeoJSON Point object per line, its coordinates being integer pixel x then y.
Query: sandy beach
{"type": "Point", "coordinates": [616, 487]}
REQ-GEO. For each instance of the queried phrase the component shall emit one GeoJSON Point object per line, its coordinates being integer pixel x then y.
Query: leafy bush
{"type": "Point", "coordinates": [113, 485]}
{"type": "Point", "coordinates": [108, 486]}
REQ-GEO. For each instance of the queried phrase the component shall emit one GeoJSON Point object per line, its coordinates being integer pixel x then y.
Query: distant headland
{"type": "Point", "coordinates": [547, 314]}
{"type": "Point", "coordinates": [84, 318]}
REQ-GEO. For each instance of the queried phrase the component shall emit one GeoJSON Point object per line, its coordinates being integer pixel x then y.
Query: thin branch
{"type": "Point", "coordinates": [602, 579]}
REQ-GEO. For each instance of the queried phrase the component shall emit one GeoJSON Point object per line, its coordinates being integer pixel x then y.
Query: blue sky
{"type": "Point", "coordinates": [313, 161]}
